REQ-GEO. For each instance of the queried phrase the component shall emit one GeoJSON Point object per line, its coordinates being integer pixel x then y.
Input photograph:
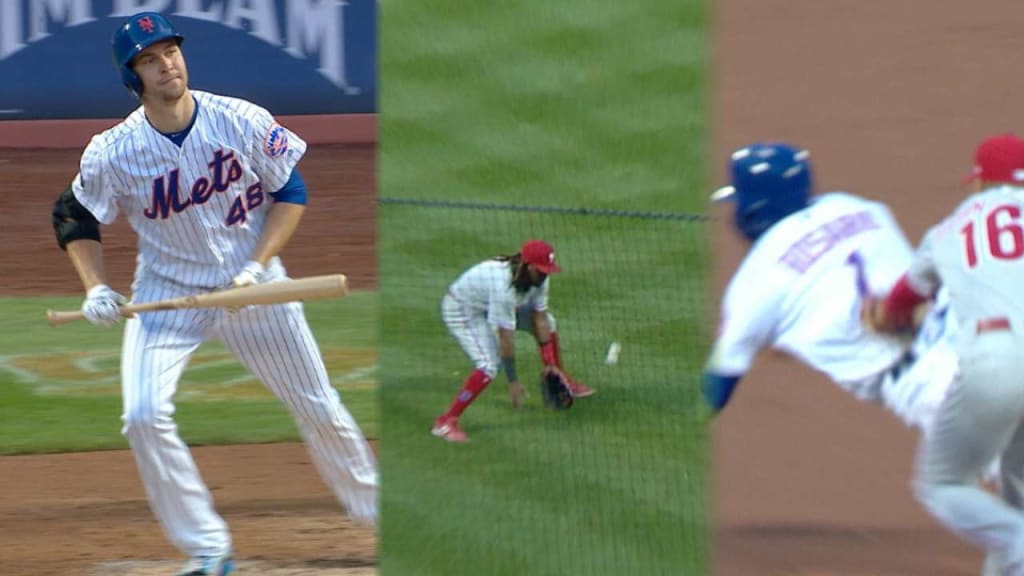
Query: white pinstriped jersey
{"type": "Point", "coordinates": [486, 288]}
{"type": "Point", "coordinates": [800, 286]}
{"type": "Point", "coordinates": [198, 209]}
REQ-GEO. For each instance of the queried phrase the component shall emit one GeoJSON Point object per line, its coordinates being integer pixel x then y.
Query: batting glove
{"type": "Point", "coordinates": [250, 274]}
{"type": "Point", "coordinates": [102, 306]}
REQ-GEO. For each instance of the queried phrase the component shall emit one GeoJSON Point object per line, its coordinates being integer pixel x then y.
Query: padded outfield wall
{"type": "Point", "coordinates": [311, 62]}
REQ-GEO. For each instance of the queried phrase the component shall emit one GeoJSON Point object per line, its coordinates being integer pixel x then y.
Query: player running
{"type": "Point", "coordinates": [812, 259]}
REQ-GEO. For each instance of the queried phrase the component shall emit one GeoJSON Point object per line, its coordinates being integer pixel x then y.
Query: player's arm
{"type": "Point", "coordinates": [749, 318]}
{"type": "Point", "coordinates": [717, 389]}
{"type": "Point", "coordinates": [78, 234]}
{"type": "Point", "coordinates": [542, 332]}
{"type": "Point", "coordinates": [896, 312]}
{"type": "Point", "coordinates": [541, 326]}
{"type": "Point", "coordinates": [501, 313]}
{"type": "Point", "coordinates": [507, 352]}
{"type": "Point", "coordinates": [282, 218]}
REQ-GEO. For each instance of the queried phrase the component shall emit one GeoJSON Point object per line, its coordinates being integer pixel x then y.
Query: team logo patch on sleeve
{"type": "Point", "coordinates": [276, 141]}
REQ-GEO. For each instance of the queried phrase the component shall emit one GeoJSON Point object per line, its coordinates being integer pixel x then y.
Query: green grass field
{"type": "Point", "coordinates": [60, 389]}
{"type": "Point", "coordinates": [565, 104]}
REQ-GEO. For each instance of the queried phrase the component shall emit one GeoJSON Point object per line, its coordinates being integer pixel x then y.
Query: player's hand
{"type": "Point", "coordinates": [102, 306]}
{"type": "Point", "coordinates": [517, 394]}
{"type": "Point", "coordinates": [876, 318]}
{"type": "Point", "coordinates": [249, 275]}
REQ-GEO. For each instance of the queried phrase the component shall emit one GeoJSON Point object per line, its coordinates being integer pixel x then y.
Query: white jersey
{"type": "Point", "coordinates": [799, 290]}
{"type": "Point", "coordinates": [487, 289]}
{"type": "Point", "coordinates": [198, 209]}
{"type": "Point", "coordinates": [976, 254]}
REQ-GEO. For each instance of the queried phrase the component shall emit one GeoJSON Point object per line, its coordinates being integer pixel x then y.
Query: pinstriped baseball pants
{"type": "Point", "coordinates": [276, 345]}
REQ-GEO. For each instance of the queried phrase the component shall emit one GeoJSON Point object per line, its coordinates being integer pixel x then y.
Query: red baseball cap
{"type": "Point", "coordinates": [999, 159]}
{"type": "Point", "coordinates": [541, 255]}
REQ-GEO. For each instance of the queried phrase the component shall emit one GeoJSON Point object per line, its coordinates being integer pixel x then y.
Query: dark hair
{"type": "Point", "coordinates": [520, 274]}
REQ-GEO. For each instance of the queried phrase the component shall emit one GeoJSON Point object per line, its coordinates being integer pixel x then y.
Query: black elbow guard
{"type": "Point", "coordinates": [71, 221]}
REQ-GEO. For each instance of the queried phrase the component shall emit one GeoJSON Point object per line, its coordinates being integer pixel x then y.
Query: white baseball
{"type": "Point", "coordinates": [613, 354]}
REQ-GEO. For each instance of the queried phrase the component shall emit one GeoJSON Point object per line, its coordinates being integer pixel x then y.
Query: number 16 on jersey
{"type": "Point", "coordinates": [1002, 236]}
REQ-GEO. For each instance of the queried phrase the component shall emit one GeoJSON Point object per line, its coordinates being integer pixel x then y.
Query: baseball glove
{"type": "Point", "coordinates": [554, 389]}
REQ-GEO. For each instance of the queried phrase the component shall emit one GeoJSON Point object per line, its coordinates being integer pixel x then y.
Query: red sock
{"type": "Point", "coordinates": [554, 348]}
{"type": "Point", "coordinates": [471, 388]}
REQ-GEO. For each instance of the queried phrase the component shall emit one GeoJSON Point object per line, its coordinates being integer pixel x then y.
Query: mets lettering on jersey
{"type": "Point", "coordinates": [195, 207]}
{"type": "Point", "coordinates": [326, 50]}
{"type": "Point", "coordinates": [166, 198]}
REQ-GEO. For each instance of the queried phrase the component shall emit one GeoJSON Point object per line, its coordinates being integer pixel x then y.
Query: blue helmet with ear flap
{"type": "Point", "coordinates": [769, 182]}
{"type": "Point", "coordinates": [135, 35]}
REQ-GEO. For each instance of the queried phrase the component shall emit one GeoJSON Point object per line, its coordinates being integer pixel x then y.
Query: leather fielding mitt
{"type": "Point", "coordinates": [554, 390]}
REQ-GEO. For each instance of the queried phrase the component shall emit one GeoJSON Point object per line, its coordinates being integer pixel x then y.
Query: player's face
{"type": "Point", "coordinates": [162, 70]}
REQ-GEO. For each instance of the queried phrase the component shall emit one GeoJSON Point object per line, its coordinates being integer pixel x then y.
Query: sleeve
{"type": "Point", "coordinates": [93, 185]}
{"type": "Point", "coordinates": [748, 324]}
{"type": "Point", "coordinates": [540, 299]}
{"type": "Point", "coordinates": [275, 150]}
{"type": "Point", "coordinates": [293, 192]}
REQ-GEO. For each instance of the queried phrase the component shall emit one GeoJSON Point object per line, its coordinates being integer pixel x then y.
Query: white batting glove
{"type": "Point", "coordinates": [102, 306]}
{"type": "Point", "coordinates": [250, 274]}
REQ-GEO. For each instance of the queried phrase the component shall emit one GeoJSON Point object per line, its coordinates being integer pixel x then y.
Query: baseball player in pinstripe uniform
{"type": "Point", "coordinates": [483, 308]}
{"type": "Point", "coordinates": [210, 185]}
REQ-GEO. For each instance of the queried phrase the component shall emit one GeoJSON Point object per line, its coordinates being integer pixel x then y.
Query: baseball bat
{"type": "Point", "coordinates": [311, 288]}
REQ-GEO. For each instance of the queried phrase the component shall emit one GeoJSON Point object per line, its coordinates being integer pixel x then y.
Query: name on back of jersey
{"type": "Point", "coordinates": [814, 244]}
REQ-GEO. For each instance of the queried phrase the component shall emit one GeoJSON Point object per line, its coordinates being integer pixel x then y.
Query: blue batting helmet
{"type": "Point", "coordinates": [138, 33]}
{"type": "Point", "coordinates": [769, 182]}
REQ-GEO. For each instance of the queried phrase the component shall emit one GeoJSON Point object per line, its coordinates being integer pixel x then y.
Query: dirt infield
{"type": "Point", "coordinates": [891, 99]}
{"type": "Point", "coordinates": [85, 514]}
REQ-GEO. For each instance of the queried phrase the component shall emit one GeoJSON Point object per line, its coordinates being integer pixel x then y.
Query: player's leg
{"type": "Point", "coordinates": [525, 323]}
{"type": "Point", "coordinates": [975, 423]}
{"type": "Point", "coordinates": [156, 349]}
{"type": "Point", "coordinates": [276, 344]}
{"type": "Point", "coordinates": [478, 342]}
{"type": "Point", "coordinates": [1009, 479]}
{"type": "Point", "coordinates": [915, 396]}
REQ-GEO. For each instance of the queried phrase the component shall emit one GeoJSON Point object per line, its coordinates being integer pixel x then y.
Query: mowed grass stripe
{"type": "Point", "coordinates": [540, 96]}
{"type": "Point", "coordinates": [560, 497]}
{"type": "Point", "coordinates": [30, 422]}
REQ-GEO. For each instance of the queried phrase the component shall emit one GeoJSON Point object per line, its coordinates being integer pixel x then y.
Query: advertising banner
{"type": "Point", "coordinates": [291, 56]}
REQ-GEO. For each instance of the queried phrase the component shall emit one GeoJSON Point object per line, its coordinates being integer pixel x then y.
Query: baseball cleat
{"type": "Point", "coordinates": [579, 390]}
{"type": "Point", "coordinates": [447, 428]}
{"type": "Point", "coordinates": [209, 566]}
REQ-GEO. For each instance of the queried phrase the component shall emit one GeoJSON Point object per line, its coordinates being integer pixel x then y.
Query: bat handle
{"type": "Point", "coordinates": [59, 317]}
{"type": "Point", "coordinates": [56, 318]}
